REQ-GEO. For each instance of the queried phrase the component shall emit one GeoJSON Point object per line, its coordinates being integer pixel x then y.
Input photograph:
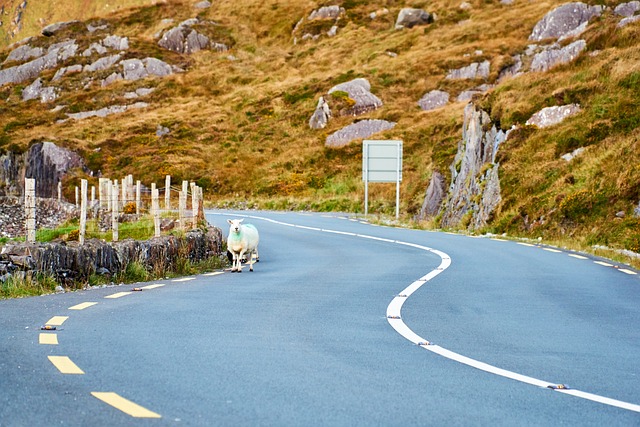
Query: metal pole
{"type": "Point", "coordinates": [398, 182]}
{"type": "Point", "coordinates": [366, 179]}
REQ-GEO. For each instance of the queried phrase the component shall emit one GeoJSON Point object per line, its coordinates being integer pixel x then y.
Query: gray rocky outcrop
{"type": "Point", "coordinates": [326, 12]}
{"type": "Point", "coordinates": [550, 116]}
{"type": "Point", "coordinates": [474, 193]}
{"type": "Point", "coordinates": [467, 95]}
{"type": "Point", "coordinates": [476, 70]}
{"type": "Point", "coordinates": [358, 130]}
{"type": "Point", "coordinates": [106, 111]}
{"type": "Point", "coordinates": [36, 91]}
{"type": "Point", "coordinates": [185, 39]}
{"type": "Point", "coordinates": [32, 69]}
{"type": "Point", "coordinates": [627, 9]}
{"type": "Point", "coordinates": [44, 161]}
{"type": "Point", "coordinates": [70, 262]}
{"type": "Point", "coordinates": [135, 69]}
{"type": "Point", "coordinates": [556, 55]}
{"type": "Point", "coordinates": [329, 14]}
{"type": "Point", "coordinates": [433, 100]}
{"type": "Point", "coordinates": [52, 29]}
{"type": "Point", "coordinates": [359, 91]}
{"type": "Point", "coordinates": [567, 20]}
{"type": "Point", "coordinates": [321, 115]}
{"type": "Point", "coordinates": [436, 192]}
{"type": "Point", "coordinates": [410, 17]}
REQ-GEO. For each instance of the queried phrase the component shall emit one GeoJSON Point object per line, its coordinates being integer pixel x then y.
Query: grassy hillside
{"type": "Point", "coordinates": [238, 120]}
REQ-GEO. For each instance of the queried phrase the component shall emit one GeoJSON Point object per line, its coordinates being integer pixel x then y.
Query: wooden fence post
{"type": "Point", "coordinates": [138, 201]}
{"type": "Point", "coordinates": [77, 197]}
{"type": "Point", "coordinates": [195, 205]}
{"type": "Point", "coordinates": [114, 210]}
{"type": "Point", "coordinates": [155, 203]}
{"type": "Point", "coordinates": [167, 192]}
{"type": "Point", "coordinates": [30, 208]}
{"type": "Point", "coordinates": [93, 195]}
{"type": "Point", "coordinates": [83, 211]}
{"type": "Point", "coordinates": [182, 207]}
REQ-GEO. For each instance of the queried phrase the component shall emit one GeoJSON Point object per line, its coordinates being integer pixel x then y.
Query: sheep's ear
{"type": "Point", "coordinates": [230, 222]}
{"type": "Point", "coordinates": [240, 220]}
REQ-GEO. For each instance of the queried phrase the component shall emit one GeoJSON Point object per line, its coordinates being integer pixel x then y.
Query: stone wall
{"type": "Point", "coordinates": [70, 262]}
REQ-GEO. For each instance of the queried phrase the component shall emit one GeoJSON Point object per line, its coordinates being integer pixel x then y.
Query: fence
{"type": "Point", "coordinates": [115, 196]}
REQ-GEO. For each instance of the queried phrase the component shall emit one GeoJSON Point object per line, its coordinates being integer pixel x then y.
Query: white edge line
{"type": "Point", "coordinates": [394, 310]}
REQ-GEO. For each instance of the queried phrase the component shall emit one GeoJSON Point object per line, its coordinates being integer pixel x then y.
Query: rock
{"type": "Point", "coordinates": [434, 197]}
{"type": "Point", "coordinates": [575, 153]}
{"type": "Point", "coordinates": [474, 192]}
{"type": "Point", "coordinates": [113, 77]}
{"type": "Point", "coordinates": [327, 12]}
{"type": "Point", "coordinates": [359, 90]}
{"type": "Point", "coordinates": [202, 5]}
{"type": "Point", "coordinates": [556, 55]}
{"type": "Point", "coordinates": [116, 42]}
{"type": "Point", "coordinates": [321, 116]}
{"type": "Point", "coordinates": [564, 21]}
{"type": "Point", "coordinates": [476, 70]}
{"type": "Point", "coordinates": [627, 9]}
{"type": "Point", "coordinates": [106, 111]}
{"type": "Point", "coordinates": [135, 69]}
{"type": "Point", "coordinates": [49, 214]}
{"type": "Point", "coordinates": [102, 63]}
{"type": "Point", "coordinates": [184, 39]}
{"type": "Point", "coordinates": [434, 99]}
{"type": "Point", "coordinates": [511, 70]}
{"type": "Point", "coordinates": [50, 30]}
{"type": "Point", "coordinates": [48, 163]}
{"type": "Point", "coordinates": [629, 20]}
{"type": "Point", "coordinates": [553, 115]}
{"type": "Point", "coordinates": [467, 95]}
{"type": "Point", "coordinates": [95, 47]}
{"type": "Point", "coordinates": [162, 131]}
{"type": "Point", "coordinates": [636, 211]}
{"type": "Point", "coordinates": [32, 91]}
{"type": "Point", "coordinates": [409, 18]}
{"type": "Point", "coordinates": [24, 53]}
{"type": "Point", "coordinates": [358, 130]}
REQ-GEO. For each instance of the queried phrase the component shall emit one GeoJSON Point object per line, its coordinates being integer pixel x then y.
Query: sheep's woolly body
{"type": "Point", "coordinates": [243, 239]}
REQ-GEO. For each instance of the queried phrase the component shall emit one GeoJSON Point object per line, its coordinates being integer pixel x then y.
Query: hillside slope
{"type": "Point", "coordinates": [237, 120]}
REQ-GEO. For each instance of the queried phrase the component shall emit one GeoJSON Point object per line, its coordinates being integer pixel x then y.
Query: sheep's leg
{"type": "Point", "coordinates": [234, 263]}
{"type": "Point", "coordinates": [251, 260]}
{"type": "Point", "coordinates": [240, 260]}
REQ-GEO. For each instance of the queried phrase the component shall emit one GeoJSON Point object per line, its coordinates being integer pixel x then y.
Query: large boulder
{"type": "Point", "coordinates": [555, 55]}
{"type": "Point", "coordinates": [321, 116]}
{"type": "Point", "coordinates": [409, 18]}
{"type": "Point", "coordinates": [550, 116]}
{"type": "Point", "coordinates": [359, 130]}
{"type": "Point", "coordinates": [476, 70]}
{"type": "Point", "coordinates": [433, 100]}
{"type": "Point", "coordinates": [185, 39]}
{"type": "Point", "coordinates": [359, 91]}
{"type": "Point", "coordinates": [48, 163]}
{"type": "Point", "coordinates": [436, 192]}
{"type": "Point", "coordinates": [564, 21]}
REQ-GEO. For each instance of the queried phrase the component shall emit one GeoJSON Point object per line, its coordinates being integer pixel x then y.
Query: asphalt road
{"type": "Point", "coordinates": [311, 337]}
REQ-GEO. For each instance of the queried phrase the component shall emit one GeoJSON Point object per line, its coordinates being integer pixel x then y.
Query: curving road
{"type": "Point", "coordinates": [342, 323]}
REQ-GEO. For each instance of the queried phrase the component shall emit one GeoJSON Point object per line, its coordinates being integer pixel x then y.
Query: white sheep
{"type": "Point", "coordinates": [243, 240]}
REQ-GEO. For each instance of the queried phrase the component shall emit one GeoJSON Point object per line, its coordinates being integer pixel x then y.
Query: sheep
{"type": "Point", "coordinates": [243, 240]}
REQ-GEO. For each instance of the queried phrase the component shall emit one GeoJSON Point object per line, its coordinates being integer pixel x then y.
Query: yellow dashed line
{"type": "Point", "coordinates": [82, 306]}
{"type": "Point", "coordinates": [118, 295]}
{"type": "Point", "coordinates": [124, 405]}
{"type": "Point", "coordinates": [57, 320]}
{"type": "Point", "coordinates": [65, 365]}
{"type": "Point", "coordinates": [51, 339]}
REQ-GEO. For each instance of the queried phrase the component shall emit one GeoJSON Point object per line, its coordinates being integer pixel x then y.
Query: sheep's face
{"type": "Point", "coordinates": [235, 225]}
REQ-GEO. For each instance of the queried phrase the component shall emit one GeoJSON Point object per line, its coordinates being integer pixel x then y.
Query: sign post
{"type": "Point", "coordinates": [381, 162]}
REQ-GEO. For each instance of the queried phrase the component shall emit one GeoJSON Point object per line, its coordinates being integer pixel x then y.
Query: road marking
{"type": "Point", "coordinates": [149, 287]}
{"type": "Point", "coordinates": [57, 320]}
{"type": "Point", "coordinates": [525, 244]}
{"type": "Point", "coordinates": [395, 320]}
{"type": "Point", "coordinates": [124, 405]}
{"type": "Point", "coordinates": [82, 306]}
{"type": "Point", "coordinates": [578, 256]}
{"type": "Point", "coordinates": [184, 279]}
{"type": "Point", "coordinates": [624, 270]}
{"type": "Point", "coordinates": [118, 295]}
{"type": "Point", "coordinates": [606, 264]}
{"type": "Point", "coordinates": [65, 365]}
{"type": "Point", "coordinates": [51, 339]}
{"type": "Point", "coordinates": [215, 273]}
{"type": "Point", "coordinates": [551, 250]}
